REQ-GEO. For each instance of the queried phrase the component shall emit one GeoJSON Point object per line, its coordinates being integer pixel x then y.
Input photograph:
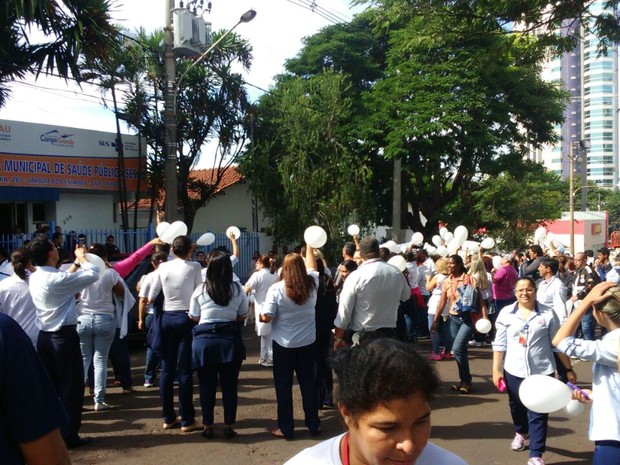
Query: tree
{"type": "Point", "coordinates": [456, 106]}
{"type": "Point", "coordinates": [512, 206]}
{"type": "Point", "coordinates": [301, 164]}
{"type": "Point", "coordinates": [71, 28]}
{"type": "Point", "coordinates": [211, 106]}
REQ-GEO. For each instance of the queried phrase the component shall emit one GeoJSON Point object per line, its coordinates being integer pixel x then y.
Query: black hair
{"type": "Point", "coordinates": [349, 265]}
{"type": "Point", "coordinates": [181, 246]}
{"type": "Point", "coordinates": [551, 263]}
{"type": "Point", "coordinates": [159, 257]}
{"type": "Point", "coordinates": [384, 253]}
{"type": "Point", "coordinates": [378, 371]}
{"type": "Point", "coordinates": [98, 249]}
{"type": "Point", "coordinates": [219, 283]}
{"type": "Point", "coordinates": [456, 258]}
{"type": "Point", "coordinates": [349, 248]}
{"type": "Point", "coordinates": [369, 247]}
{"type": "Point", "coordinates": [39, 249]}
{"type": "Point", "coordinates": [528, 279]}
{"type": "Point", "coordinates": [20, 259]}
{"type": "Point", "coordinates": [56, 235]}
{"type": "Point", "coordinates": [537, 250]}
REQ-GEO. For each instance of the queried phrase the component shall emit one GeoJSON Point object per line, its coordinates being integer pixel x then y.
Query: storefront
{"type": "Point", "coordinates": [63, 176]}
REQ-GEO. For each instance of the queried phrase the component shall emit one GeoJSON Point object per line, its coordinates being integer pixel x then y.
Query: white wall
{"type": "Point", "coordinates": [85, 211]}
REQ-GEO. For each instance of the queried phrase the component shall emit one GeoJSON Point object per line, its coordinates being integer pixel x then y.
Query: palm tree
{"type": "Point", "coordinates": [73, 29]}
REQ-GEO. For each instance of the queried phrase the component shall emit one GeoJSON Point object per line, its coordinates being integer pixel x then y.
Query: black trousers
{"type": "Point", "coordinates": [62, 357]}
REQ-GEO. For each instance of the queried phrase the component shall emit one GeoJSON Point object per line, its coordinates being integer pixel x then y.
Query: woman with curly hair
{"type": "Point", "coordinates": [289, 306]}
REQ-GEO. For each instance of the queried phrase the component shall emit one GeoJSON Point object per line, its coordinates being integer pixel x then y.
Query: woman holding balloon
{"type": "Point", "coordinates": [523, 343]}
{"type": "Point", "coordinates": [604, 298]}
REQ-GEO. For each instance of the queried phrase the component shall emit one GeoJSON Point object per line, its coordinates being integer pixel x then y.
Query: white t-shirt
{"type": "Point", "coordinates": [15, 301]}
{"type": "Point", "coordinates": [178, 279]}
{"type": "Point", "coordinates": [328, 453]}
{"type": "Point", "coordinates": [259, 282]}
{"type": "Point", "coordinates": [97, 298]}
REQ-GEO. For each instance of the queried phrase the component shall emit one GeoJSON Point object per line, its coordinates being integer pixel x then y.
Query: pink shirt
{"type": "Point", "coordinates": [504, 281]}
{"type": "Point", "coordinates": [124, 267]}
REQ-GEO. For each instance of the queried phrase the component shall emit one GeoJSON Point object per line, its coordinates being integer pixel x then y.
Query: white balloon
{"type": "Point", "coordinates": [473, 249]}
{"type": "Point", "coordinates": [353, 230]}
{"type": "Point", "coordinates": [97, 261]}
{"type": "Point", "coordinates": [442, 232]}
{"type": "Point", "coordinates": [442, 251]}
{"type": "Point", "coordinates": [206, 239]}
{"type": "Point", "coordinates": [161, 227]}
{"type": "Point", "coordinates": [540, 233]}
{"type": "Point", "coordinates": [550, 237]}
{"type": "Point", "coordinates": [574, 408]}
{"type": "Point", "coordinates": [447, 237]}
{"type": "Point", "coordinates": [483, 326]}
{"type": "Point", "coordinates": [436, 240]}
{"type": "Point", "coordinates": [544, 394]}
{"type": "Point", "coordinates": [233, 230]}
{"type": "Point", "coordinates": [417, 238]}
{"type": "Point", "coordinates": [432, 250]}
{"type": "Point", "coordinates": [315, 236]}
{"type": "Point", "coordinates": [487, 243]}
{"type": "Point", "coordinates": [399, 262]}
{"type": "Point", "coordinates": [497, 261]}
{"type": "Point", "coordinates": [176, 229]}
{"type": "Point", "coordinates": [453, 245]}
{"type": "Point", "coordinates": [461, 233]}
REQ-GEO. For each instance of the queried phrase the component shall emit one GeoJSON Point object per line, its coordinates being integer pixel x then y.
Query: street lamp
{"type": "Point", "coordinates": [170, 109]}
{"type": "Point", "coordinates": [581, 145]}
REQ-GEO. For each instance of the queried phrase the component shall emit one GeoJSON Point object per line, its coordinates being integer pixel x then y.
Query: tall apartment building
{"type": "Point", "coordinates": [592, 113]}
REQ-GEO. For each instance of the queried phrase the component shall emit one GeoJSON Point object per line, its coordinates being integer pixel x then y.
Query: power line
{"type": "Point", "coordinates": [329, 15]}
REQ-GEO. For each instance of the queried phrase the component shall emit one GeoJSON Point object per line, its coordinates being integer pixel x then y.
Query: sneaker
{"type": "Point", "coordinates": [518, 443]}
{"type": "Point", "coordinates": [447, 356]}
{"type": "Point", "coordinates": [267, 364]}
{"type": "Point", "coordinates": [99, 406]}
{"type": "Point", "coordinates": [474, 344]}
{"type": "Point", "coordinates": [193, 427]}
{"type": "Point", "coordinates": [434, 357]}
{"type": "Point", "coordinates": [174, 424]}
{"type": "Point", "coordinates": [535, 461]}
{"type": "Point", "coordinates": [148, 385]}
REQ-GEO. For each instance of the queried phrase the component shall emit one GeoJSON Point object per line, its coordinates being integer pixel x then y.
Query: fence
{"type": "Point", "coordinates": [128, 241]}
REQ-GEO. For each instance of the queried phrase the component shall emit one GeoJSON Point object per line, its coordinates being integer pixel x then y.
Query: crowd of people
{"type": "Point", "coordinates": [545, 309]}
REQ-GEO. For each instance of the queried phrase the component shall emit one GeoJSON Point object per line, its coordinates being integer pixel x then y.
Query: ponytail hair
{"type": "Point", "coordinates": [20, 259]}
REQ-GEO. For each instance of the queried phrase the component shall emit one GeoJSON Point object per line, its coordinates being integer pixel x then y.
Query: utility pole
{"type": "Point", "coordinates": [170, 123]}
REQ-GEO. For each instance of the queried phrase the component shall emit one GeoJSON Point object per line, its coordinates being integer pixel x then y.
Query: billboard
{"type": "Point", "coordinates": [39, 155]}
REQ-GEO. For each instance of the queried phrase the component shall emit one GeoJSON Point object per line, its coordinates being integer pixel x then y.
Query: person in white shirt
{"type": "Point", "coordinates": [384, 391]}
{"type": "Point", "coordinates": [6, 269]}
{"type": "Point", "coordinates": [259, 283]}
{"type": "Point", "coordinates": [15, 299]}
{"type": "Point", "coordinates": [290, 307]}
{"type": "Point", "coordinates": [97, 324]}
{"type": "Point", "coordinates": [53, 294]}
{"type": "Point", "coordinates": [177, 279]}
{"type": "Point", "coordinates": [605, 395]}
{"type": "Point", "coordinates": [370, 296]}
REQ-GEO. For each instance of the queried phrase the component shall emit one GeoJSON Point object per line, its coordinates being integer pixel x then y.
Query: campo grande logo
{"type": "Point", "coordinates": [56, 138]}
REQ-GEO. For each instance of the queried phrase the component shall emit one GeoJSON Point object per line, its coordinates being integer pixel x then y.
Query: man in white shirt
{"type": "Point", "coordinates": [53, 294]}
{"type": "Point", "coordinates": [6, 269]}
{"type": "Point", "coordinates": [370, 296]}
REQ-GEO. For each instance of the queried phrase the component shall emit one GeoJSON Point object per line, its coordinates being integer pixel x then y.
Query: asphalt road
{"type": "Point", "coordinates": [476, 426]}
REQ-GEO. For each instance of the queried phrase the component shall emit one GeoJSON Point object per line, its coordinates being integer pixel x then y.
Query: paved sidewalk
{"type": "Point", "coordinates": [476, 426]}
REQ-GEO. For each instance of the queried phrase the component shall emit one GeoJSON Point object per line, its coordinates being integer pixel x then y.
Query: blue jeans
{"type": "Point", "coordinates": [461, 329]}
{"type": "Point", "coordinates": [176, 328]}
{"type": "Point", "coordinates": [525, 421]}
{"type": "Point", "coordinates": [96, 335]}
{"type": "Point", "coordinates": [588, 325]}
{"type": "Point", "coordinates": [443, 335]}
{"type": "Point", "coordinates": [606, 453]}
{"type": "Point", "coordinates": [152, 360]}
{"type": "Point", "coordinates": [299, 360]}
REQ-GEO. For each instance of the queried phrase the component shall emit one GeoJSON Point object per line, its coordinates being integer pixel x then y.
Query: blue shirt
{"type": "Point", "coordinates": [29, 405]}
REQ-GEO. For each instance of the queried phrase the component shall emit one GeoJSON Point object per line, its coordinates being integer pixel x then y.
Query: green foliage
{"type": "Point", "coordinates": [72, 29]}
{"type": "Point", "coordinates": [302, 165]}
{"type": "Point", "coordinates": [513, 206]}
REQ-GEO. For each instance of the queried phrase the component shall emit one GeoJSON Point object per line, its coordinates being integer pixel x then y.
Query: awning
{"type": "Point", "coordinates": [29, 194]}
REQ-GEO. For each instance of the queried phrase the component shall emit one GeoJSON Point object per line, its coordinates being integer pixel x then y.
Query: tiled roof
{"type": "Point", "coordinates": [230, 177]}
